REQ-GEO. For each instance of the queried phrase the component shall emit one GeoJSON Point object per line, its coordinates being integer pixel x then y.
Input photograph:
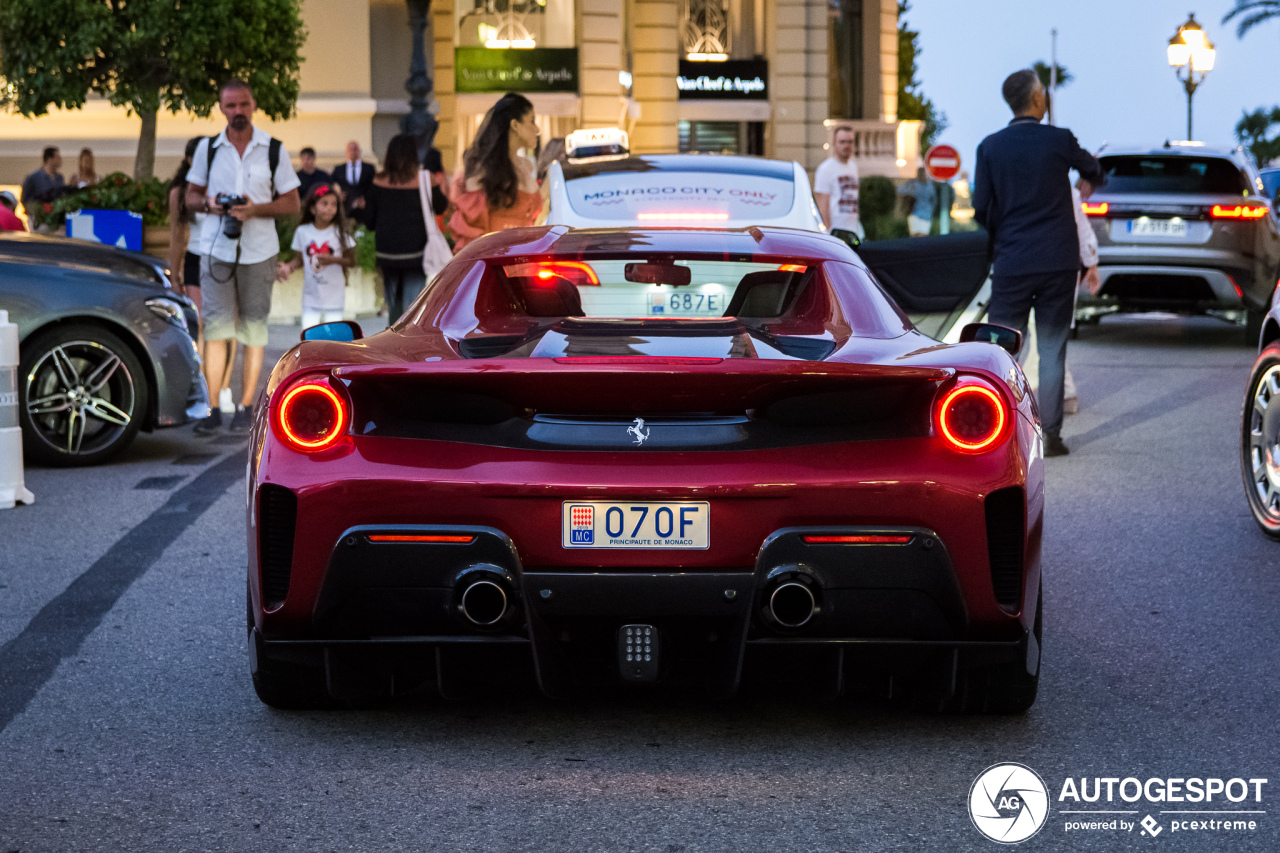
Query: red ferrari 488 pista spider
{"type": "Point", "coordinates": [640, 458]}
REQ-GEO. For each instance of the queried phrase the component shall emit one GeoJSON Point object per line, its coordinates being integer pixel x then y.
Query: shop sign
{"type": "Point", "coordinates": [535, 69]}
{"type": "Point", "coordinates": [733, 80]}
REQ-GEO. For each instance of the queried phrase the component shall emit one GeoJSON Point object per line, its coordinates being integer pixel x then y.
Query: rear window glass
{"type": "Point", "coordinates": [692, 288]}
{"type": "Point", "coordinates": [662, 197]}
{"type": "Point", "coordinates": [1189, 175]}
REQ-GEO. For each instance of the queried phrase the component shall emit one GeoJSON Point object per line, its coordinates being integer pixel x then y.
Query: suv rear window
{"type": "Point", "coordinates": [1190, 175]}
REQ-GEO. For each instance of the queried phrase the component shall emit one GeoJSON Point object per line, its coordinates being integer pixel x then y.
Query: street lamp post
{"type": "Point", "coordinates": [418, 121]}
{"type": "Point", "coordinates": [1191, 49]}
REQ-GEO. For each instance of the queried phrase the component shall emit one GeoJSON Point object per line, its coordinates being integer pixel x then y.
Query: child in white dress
{"type": "Point", "coordinates": [324, 251]}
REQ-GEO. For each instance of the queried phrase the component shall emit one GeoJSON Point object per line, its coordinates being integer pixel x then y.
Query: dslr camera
{"type": "Point", "coordinates": [231, 226]}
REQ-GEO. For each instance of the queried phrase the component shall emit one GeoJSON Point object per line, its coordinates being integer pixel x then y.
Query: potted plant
{"type": "Point", "coordinates": [118, 191]}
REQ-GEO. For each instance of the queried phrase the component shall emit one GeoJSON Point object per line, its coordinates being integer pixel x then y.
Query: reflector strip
{"type": "Point", "coordinates": [431, 538]}
{"type": "Point", "coordinates": [864, 539]}
{"type": "Point", "coordinates": [1240, 211]}
{"type": "Point", "coordinates": [679, 216]}
{"type": "Point", "coordinates": [1098, 209]}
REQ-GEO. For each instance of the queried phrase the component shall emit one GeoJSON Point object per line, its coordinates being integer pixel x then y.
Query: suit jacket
{"type": "Point", "coordinates": [356, 190]}
{"type": "Point", "coordinates": [1022, 196]}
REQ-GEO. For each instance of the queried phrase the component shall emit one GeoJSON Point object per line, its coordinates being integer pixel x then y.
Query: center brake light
{"type": "Point", "coordinates": [312, 416]}
{"type": "Point", "coordinates": [683, 216]}
{"type": "Point", "coordinates": [1095, 208]}
{"type": "Point", "coordinates": [546, 272]}
{"type": "Point", "coordinates": [1239, 211]}
{"type": "Point", "coordinates": [972, 417]}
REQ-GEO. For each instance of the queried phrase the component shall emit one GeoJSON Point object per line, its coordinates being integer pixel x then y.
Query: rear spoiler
{"type": "Point", "coordinates": [605, 385]}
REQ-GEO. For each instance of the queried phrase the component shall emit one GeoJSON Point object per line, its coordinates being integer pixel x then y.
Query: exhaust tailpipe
{"type": "Point", "coordinates": [484, 603]}
{"type": "Point", "coordinates": [792, 604]}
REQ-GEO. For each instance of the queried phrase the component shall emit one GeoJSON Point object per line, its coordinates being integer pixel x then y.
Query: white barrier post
{"type": "Point", "coordinates": [12, 489]}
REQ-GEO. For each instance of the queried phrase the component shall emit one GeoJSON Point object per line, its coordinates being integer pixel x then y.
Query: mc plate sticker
{"type": "Point", "coordinates": [635, 524]}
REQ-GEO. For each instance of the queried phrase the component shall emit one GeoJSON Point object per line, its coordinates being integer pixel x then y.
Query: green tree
{"type": "Point", "coordinates": [912, 103]}
{"type": "Point", "coordinates": [1042, 70]}
{"type": "Point", "coordinates": [145, 55]}
{"type": "Point", "coordinates": [1251, 13]}
{"type": "Point", "coordinates": [1253, 130]}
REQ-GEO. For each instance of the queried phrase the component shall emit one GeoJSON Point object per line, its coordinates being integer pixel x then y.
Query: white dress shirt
{"type": "Point", "coordinates": [249, 176]}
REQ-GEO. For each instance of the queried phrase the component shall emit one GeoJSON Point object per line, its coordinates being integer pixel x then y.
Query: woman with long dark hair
{"type": "Point", "coordinates": [393, 211]}
{"type": "Point", "coordinates": [497, 188]}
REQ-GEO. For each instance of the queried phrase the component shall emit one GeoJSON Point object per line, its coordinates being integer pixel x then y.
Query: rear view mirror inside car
{"type": "Point", "coordinates": [672, 274]}
{"type": "Point", "coordinates": [850, 237]}
{"type": "Point", "coordinates": [993, 333]}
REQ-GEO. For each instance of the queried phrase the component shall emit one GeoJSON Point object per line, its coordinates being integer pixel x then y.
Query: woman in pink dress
{"type": "Point", "coordinates": [497, 188]}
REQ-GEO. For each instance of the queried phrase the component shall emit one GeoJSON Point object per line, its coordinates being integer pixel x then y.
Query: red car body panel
{"type": "Point", "coordinates": [916, 481]}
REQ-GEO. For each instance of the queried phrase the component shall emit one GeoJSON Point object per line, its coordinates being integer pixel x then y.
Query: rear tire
{"type": "Point", "coordinates": [288, 686]}
{"type": "Point", "coordinates": [1260, 441]}
{"type": "Point", "coordinates": [1007, 688]}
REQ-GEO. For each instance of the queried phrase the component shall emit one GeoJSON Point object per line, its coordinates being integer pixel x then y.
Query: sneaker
{"type": "Point", "coordinates": [225, 403]}
{"type": "Point", "coordinates": [242, 420]}
{"type": "Point", "coordinates": [211, 425]}
{"type": "Point", "coordinates": [1071, 405]}
{"type": "Point", "coordinates": [1054, 446]}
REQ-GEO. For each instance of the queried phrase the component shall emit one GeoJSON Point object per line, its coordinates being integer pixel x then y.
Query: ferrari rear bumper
{"type": "Point", "coordinates": [452, 609]}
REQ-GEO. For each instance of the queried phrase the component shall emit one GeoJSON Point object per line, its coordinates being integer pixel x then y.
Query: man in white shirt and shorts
{"type": "Point", "coordinates": [237, 273]}
{"type": "Point", "coordinates": [835, 185]}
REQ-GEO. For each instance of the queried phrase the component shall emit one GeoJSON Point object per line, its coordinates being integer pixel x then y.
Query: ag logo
{"type": "Point", "coordinates": [1008, 803]}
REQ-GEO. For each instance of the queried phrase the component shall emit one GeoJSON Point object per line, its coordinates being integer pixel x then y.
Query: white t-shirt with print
{"type": "Point", "coordinates": [323, 288]}
{"type": "Point", "coordinates": [840, 181]}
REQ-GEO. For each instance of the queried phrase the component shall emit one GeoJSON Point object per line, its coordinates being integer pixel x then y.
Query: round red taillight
{"type": "Point", "coordinates": [312, 416]}
{"type": "Point", "coordinates": [972, 418]}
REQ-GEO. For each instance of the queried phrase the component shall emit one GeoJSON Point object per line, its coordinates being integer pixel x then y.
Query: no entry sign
{"type": "Point", "coordinates": [942, 162]}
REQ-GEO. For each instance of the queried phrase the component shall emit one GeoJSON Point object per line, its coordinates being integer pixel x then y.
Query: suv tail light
{"type": "Point", "coordinates": [972, 417]}
{"type": "Point", "coordinates": [1239, 211]}
{"type": "Point", "coordinates": [312, 416]}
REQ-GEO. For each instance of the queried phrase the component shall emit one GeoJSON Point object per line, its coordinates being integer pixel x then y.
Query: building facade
{"type": "Point", "coordinates": [768, 77]}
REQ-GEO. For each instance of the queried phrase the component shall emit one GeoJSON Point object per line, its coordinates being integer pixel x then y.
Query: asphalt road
{"type": "Point", "coordinates": [127, 720]}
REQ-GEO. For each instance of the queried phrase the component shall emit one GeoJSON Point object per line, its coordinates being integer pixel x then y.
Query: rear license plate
{"type": "Point", "coordinates": [635, 524]}
{"type": "Point", "coordinates": [1145, 227]}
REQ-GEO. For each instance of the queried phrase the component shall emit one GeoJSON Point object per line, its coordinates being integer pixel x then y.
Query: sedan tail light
{"type": "Point", "coordinates": [312, 416]}
{"type": "Point", "coordinates": [973, 417]}
{"type": "Point", "coordinates": [1238, 211]}
{"type": "Point", "coordinates": [1095, 209]}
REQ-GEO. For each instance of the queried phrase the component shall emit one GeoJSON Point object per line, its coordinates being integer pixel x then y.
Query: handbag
{"type": "Point", "coordinates": [437, 253]}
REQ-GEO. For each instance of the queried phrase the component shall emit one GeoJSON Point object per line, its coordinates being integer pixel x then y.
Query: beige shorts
{"type": "Point", "coordinates": [236, 299]}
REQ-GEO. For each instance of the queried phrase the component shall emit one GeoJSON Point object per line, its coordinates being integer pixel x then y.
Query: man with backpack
{"type": "Point", "coordinates": [244, 180]}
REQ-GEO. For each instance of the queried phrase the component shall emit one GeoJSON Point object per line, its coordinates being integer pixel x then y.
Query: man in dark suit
{"type": "Point", "coordinates": [1022, 196]}
{"type": "Point", "coordinates": [308, 173]}
{"type": "Point", "coordinates": [354, 177]}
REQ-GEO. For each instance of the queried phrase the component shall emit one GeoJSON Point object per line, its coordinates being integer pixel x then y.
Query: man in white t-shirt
{"type": "Point", "coordinates": [237, 274]}
{"type": "Point", "coordinates": [835, 185]}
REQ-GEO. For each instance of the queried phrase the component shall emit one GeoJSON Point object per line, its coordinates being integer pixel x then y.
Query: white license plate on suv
{"type": "Point", "coordinates": [635, 524]}
{"type": "Point", "coordinates": [1157, 228]}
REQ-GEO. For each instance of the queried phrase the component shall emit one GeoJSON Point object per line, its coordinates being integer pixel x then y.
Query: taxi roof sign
{"type": "Point", "coordinates": [605, 143]}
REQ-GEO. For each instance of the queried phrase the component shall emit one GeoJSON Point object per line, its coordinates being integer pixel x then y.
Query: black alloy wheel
{"type": "Point", "coordinates": [1260, 441]}
{"type": "Point", "coordinates": [84, 395]}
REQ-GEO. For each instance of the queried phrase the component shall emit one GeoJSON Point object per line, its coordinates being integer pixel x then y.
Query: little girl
{"type": "Point", "coordinates": [324, 252]}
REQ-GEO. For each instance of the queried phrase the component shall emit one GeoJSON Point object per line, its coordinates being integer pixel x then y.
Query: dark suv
{"type": "Point", "coordinates": [1183, 228]}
